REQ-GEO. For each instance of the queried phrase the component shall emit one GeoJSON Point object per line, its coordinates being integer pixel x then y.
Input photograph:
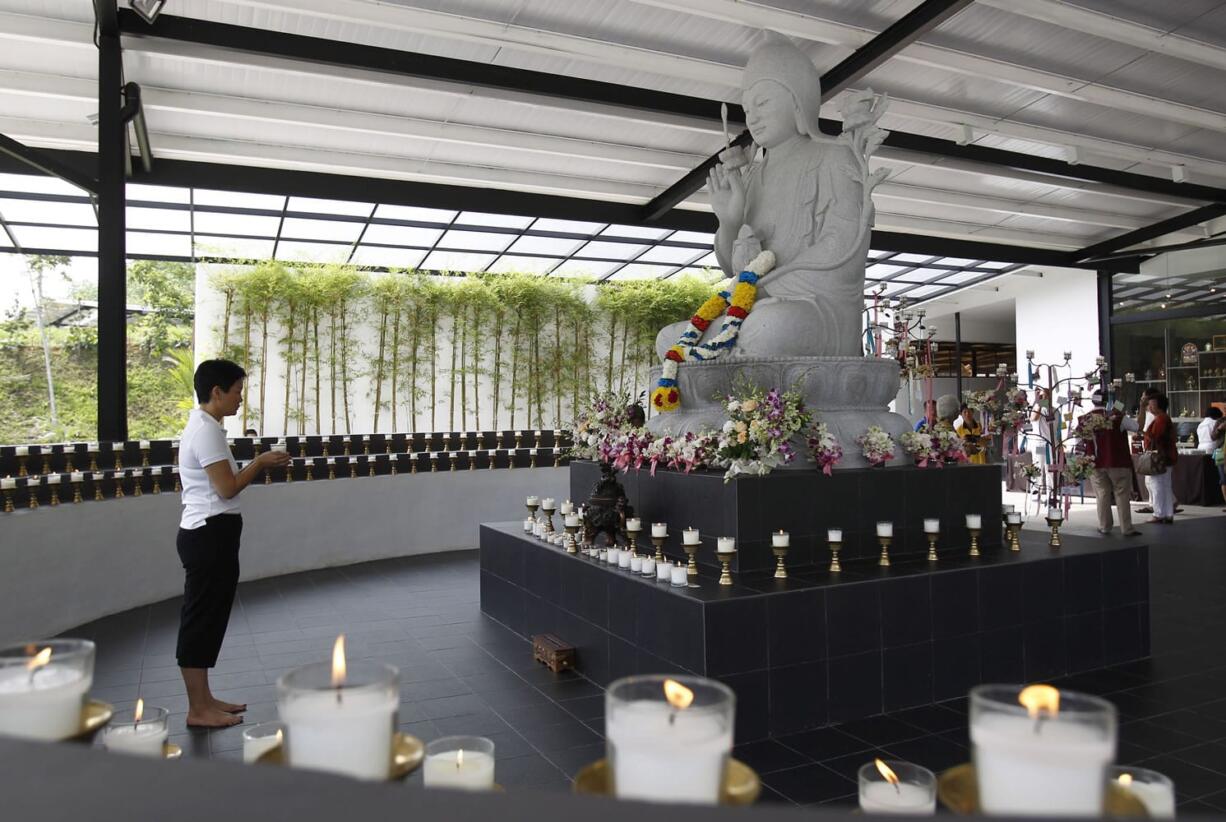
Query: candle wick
{"type": "Point", "coordinates": [1038, 723]}
{"type": "Point", "coordinates": [898, 788]}
{"type": "Point", "coordinates": [672, 718]}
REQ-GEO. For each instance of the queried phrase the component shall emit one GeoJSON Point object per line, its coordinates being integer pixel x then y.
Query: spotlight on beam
{"type": "Point", "coordinates": [147, 9]}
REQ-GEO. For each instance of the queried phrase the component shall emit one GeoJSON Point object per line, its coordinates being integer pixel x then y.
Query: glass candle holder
{"type": "Point", "coordinates": [1155, 790]}
{"type": "Point", "coordinates": [145, 736]}
{"type": "Point", "coordinates": [668, 737]}
{"type": "Point", "coordinates": [1039, 751]}
{"type": "Point", "coordinates": [912, 791]}
{"type": "Point", "coordinates": [261, 738]}
{"type": "Point", "coordinates": [345, 729]}
{"type": "Point", "coordinates": [43, 686]}
{"type": "Point", "coordinates": [463, 762]}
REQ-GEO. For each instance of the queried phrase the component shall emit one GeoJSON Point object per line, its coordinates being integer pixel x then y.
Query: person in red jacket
{"type": "Point", "coordinates": [1160, 437]}
{"type": "Point", "coordinates": [1112, 477]}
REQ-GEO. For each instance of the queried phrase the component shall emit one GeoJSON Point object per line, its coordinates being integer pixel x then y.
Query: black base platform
{"type": "Point", "coordinates": [806, 504]}
{"type": "Point", "coordinates": [818, 648]}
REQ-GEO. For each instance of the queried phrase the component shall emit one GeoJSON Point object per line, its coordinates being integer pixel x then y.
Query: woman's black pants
{"type": "Point", "coordinates": [210, 562]}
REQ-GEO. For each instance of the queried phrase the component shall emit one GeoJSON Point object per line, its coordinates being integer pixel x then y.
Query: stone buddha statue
{"type": "Point", "coordinates": [804, 196]}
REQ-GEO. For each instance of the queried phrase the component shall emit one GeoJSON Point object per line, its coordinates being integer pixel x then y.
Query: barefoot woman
{"type": "Point", "coordinates": [209, 534]}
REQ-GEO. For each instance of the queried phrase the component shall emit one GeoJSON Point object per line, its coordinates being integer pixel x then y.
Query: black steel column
{"type": "Point", "coordinates": [1106, 307]}
{"type": "Point", "coordinates": [958, 352]}
{"type": "Point", "coordinates": [112, 265]}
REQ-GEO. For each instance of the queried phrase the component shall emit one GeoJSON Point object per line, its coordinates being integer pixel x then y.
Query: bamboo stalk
{"type": "Point", "coordinates": [557, 365]}
{"type": "Point", "coordinates": [379, 363]}
{"type": "Point", "coordinates": [289, 369]}
{"type": "Point", "coordinates": [345, 362]}
{"type": "Point", "coordinates": [476, 346]}
{"type": "Point", "coordinates": [395, 355]}
{"type": "Point", "coordinates": [515, 369]}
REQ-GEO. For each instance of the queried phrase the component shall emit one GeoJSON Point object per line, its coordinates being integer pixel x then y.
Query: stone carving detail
{"type": "Point", "coordinates": [808, 198]}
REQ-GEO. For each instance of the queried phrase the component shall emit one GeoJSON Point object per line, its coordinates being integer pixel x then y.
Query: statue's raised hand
{"type": "Point", "coordinates": [727, 196]}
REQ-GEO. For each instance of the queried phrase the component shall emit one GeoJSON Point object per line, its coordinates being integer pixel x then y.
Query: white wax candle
{"type": "Point", "coordinates": [882, 797]}
{"type": "Point", "coordinates": [528, 525]}
{"type": "Point", "coordinates": [21, 450]}
{"type": "Point", "coordinates": [1014, 757]}
{"type": "Point", "coordinates": [548, 503]}
{"type": "Point", "coordinates": [679, 575]}
{"type": "Point", "coordinates": [623, 559]}
{"type": "Point", "coordinates": [781, 539]}
{"type": "Point", "coordinates": [117, 446]}
{"type": "Point", "coordinates": [77, 476]}
{"type": "Point", "coordinates": [572, 520]}
{"type": "Point", "coordinates": [536, 433]}
{"type": "Point", "coordinates": [472, 455]}
{"type": "Point", "coordinates": [534, 500]}
{"type": "Point", "coordinates": [690, 536]}
{"type": "Point", "coordinates": [92, 447]}
{"type": "Point", "coordinates": [53, 479]}
{"type": "Point", "coordinates": [1008, 509]}
{"type": "Point", "coordinates": [331, 460]}
{"type": "Point", "coordinates": [1158, 798]}
{"type": "Point", "coordinates": [44, 706]}
{"type": "Point", "coordinates": [636, 564]}
{"type": "Point", "coordinates": [602, 555]}
{"type": "Point", "coordinates": [973, 520]}
{"type": "Point", "coordinates": [351, 735]}
{"type": "Point", "coordinates": [610, 556]}
{"type": "Point", "coordinates": [279, 448]}
{"type": "Point", "coordinates": [532, 452]}
{"type": "Point", "coordinates": [7, 484]}
{"type": "Point", "coordinates": [932, 526]}
{"type": "Point", "coordinates": [659, 529]}
{"type": "Point", "coordinates": [725, 545]}
{"type": "Point", "coordinates": [255, 746]}
{"type": "Point", "coordinates": [663, 572]}
{"type": "Point", "coordinates": [834, 535]}
{"type": "Point", "coordinates": [1055, 513]}
{"type": "Point", "coordinates": [661, 754]}
{"type": "Point", "coordinates": [649, 566]}
{"type": "Point", "coordinates": [634, 524]}
{"type": "Point", "coordinates": [138, 739]}
{"type": "Point", "coordinates": [144, 444]}
{"type": "Point", "coordinates": [885, 529]}
{"type": "Point", "coordinates": [466, 770]}
{"type": "Point", "coordinates": [1014, 518]}
{"type": "Point", "coordinates": [567, 507]}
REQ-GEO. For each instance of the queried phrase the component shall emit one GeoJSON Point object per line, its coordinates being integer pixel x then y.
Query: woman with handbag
{"type": "Point", "coordinates": [1159, 457]}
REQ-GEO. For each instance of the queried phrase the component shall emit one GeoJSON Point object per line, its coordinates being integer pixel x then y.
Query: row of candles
{"type": "Point", "coordinates": [1038, 751]}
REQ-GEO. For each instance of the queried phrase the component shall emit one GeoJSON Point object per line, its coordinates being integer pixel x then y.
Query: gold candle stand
{"type": "Point", "coordinates": [68, 469]}
{"type": "Point", "coordinates": [310, 469]}
{"type": "Point", "coordinates": [55, 494]}
{"type": "Point", "coordinates": [548, 512]}
{"type": "Point", "coordinates": [519, 439]}
{"type": "Point", "coordinates": [93, 459]}
{"type": "Point", "coordinates": [1054, 525]}
{"type": "Point", "coordinates": [974, 541]}
{"type": "Point", "coordinates": [8, 500]}
{"type": "Point", "coordinates": [119, 459]}
{"type": "Point", "coordinates": [835, 547]}
{"type": "Point", "coordinates": [366, 445]}
{"type": "Point", "coordinates": [532, 511]}
{"type": "Point", "coordinates": [157, 481]}
{"type": "Point", "coordinates": [46, 462]}
{"type": "Point", "coordinates": [570, 539]}
{"type": "Point", "coordinates": [178, 487]}
{"type": "Point", "coordinates": [98, 497]}
{"type": "Point", "coordinates": [781, 569]}
{"type": "Point", "coordinates": [144, 458]}
{"type": "Point", "coordinates": [451, 460]}
{"type": "Point", "coordinates": [136, 483]}
{"type": "Point", "coordinates": [301, 449]}
{"type": "Point", "coordinates": [932, 546]}
{"type": "Point", "coordinates": [33, 495]}
{"type": "Point", "coordinates": [633, 538]}
{"type": "Point", "coordinates": [76, 492]}
{"type": "Point", "coordinates": [497, 440]}
{"type": "Point", "coordinates": [472, 462]}
{"type": "Point", "coordinates": [493, 457]}
{"type": "Point", "coordinates": [370, 464]}
{"type": "Point", "coordinates": [21, 466]}
{"type": "Point", "coordinates": [1015, 544]}
{"type": "Point", "coordinates": [691, 566]}
{"type": "Point", "coordinates": [117, 478]}
{"type": "Point", "coordinates": [532, 459]}
{"type": "Point", "coordinates": [332, 470]}
{"type": "Point", "coordinates": [346, 447]}
{"type": "Point", "coordinates": [413, 459]}
{"type": "Point", "coordinates": [433, 463]}
{"type": "Point", "coordinates": [392, 464]}
{"type": "Point", "coordinates": [325, 445]}
{"type": "Point", "coordinates": [659, 543]}
{"type": "Point", "coordinates": [884, 559]}
{"type": "Point", "coordinates": [725, 564]}
{"type": "Point", "coordinates": [353, 468]}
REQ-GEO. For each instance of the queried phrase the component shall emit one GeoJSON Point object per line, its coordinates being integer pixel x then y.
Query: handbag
{"type": "Point", "coordinates": [1218, 456]}
{"type": "Point", "coordinates": [1151, 464]}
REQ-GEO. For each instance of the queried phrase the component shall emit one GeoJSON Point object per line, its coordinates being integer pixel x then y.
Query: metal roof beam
{"type": "Point", "coordinates": [46, 163]}
{"type": "Point", "coordinates": [1189, 218]}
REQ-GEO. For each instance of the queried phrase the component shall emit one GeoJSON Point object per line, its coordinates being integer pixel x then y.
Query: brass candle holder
{"type": "Point", "coordinates": [325, 443]}
{"type": "Point", "coordinates": [974, 541]}
{"type": "Point", "coordinates": [1054, 525]}
{"type": "Point", "coordinates": [32, 492]}
{"type": "Point", "coordinates": [571, 530]}
{"type": "Point", "coordinates": [98, 497]}
{"type": "Point", "coordinates": [310, 470]}
{"type": "Point", "coordinates": [76, 491]}
{"type": "Point", "coordinates": [519, 439]}
{"type": "Point", "coordinates": [557, 458]}
{"type": "Point", "coordinates": [781, 568]}
{"type": "Point", "coordinates": [434, 463]}
{"type": "Point", "coordinates": [413, 458]}
{"type": "Point", "coordinates": [548, 512]}
{"type": "Point", "coordinates": [157, 481]}
{"type": "Point", "coordinates": [302, 449]}
{"type": "Point", "coordinates": [532, 458]}
{"type": "Point", "coordinates": [510, 458]}
{"type": "Point", "coordinates": [8, 500]}
{"type": "Point", "coordinates": [21, 465]}
{"type": "Point", "coordinates": [179, 487]}
{"type": "Point", "coordinates": [346, 446]}
{"type": "Point", "coordinates": [1015, 529]}
{"type": "Point", "coordinates": [835, 547]}
{"type": "Point", "coordinates": [370, 463]}
{"type": "Point", "coordinates": [68, 468]}
{"type": "Point", "coordinates": [659, 543]}
{"type": "Point", "coordinates": [137, 476]}
{"type": "Point", "coordinates": [884, 559]}
{"type": "Point", "coordinates": [353, 468]}
{"type": "Point", "coordinates": [46, 462]}
{"type": "Point", "coordinates": [92, 453]}
{"type": "Point", "coordinates": [497, 440]}
{"type": "Point", "coordinates": [392, 460]}
{"type": "Point", "coordinates": [55, 492]}
{"type": "Point", "coordinates": [691, 566]}
{"type": "Point", "coordinates": [144, 457]}
{"type": "Point", "coordinates": [331, 469]}
{"type": "Point", "coordinates": [365, 444]}
{"type": "Point", "coordinates": [492, 457]}
{"type": "Point", "coordinates": [725, 565]}
{"type": "Point", "coordinates": [932, 545]}
{"type": "Point", "coordinates": [117, 479]}
{"type": "Point", "coordinates": [118, 453]}
{"type": "Point", "coordinates": [452, 457]}
{"type": "Point", "coordinates": [289, 470]}
{"type": "Point", "coordinates": [472, 460]}
{"type": "Point", "coordinates": [532, 509]}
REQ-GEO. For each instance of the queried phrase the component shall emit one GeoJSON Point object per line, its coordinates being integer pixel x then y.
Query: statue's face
{"type": "Point", "coordinates": [770, 113]}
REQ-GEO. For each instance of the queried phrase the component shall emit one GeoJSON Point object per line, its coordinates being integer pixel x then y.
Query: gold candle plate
{"type": "Point", "coordinates": [171, 751]}
{"type": "Point", "coordinates": [94, 715]}
{"type": "Point", "coordinates": [958, 790]}
{"type": "Point", "coordinates": [741, 785]}
{"type": "Point", "coordinates": [406, 756]}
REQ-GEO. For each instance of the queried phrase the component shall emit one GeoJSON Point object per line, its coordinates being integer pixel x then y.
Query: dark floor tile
{"type": "Point", "coordinates": [880, 730]}
{"type": "Point", "coordinates": [933, 752]}
{"type": "Point", "coordinates": [585, 707]}
{"type": "Point", "coordinates": [931, 718]}
{"type": "Point", "coordinates": [1191, 781]}
{"type": "Point", "coordinates": [809, 783]}
{"type": "Point", "coordinates": [769, 755]}
{"type": "Point", "coordinates": [824, 743]}
{"type": "Point", "coordinates": [571, 760]}
{"type": "Point", "coordinates": [1211, 755]}
{"type": "Point", "coordinates": [571, 734]}
{"type": "Point", "coordinates": [849, 766]}
{"type": "Point", "coordinates": [1152, 734]}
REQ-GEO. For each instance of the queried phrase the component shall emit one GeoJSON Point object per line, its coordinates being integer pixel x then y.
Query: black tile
{"type": "Point", "coordinates": [1211, 755]}
{"type": "Point", "coordinates": [569, 734]}
{"type": "Point", "coordinates": [752, 705]}
{"type": "Point", "coordinates": [1122, 578]}
{"type": "Point", "coordinates": [854, 611]}
{"type": "Point", "coordinates": [733, 632]}
{"type": "Point", "coordinates": [1083, 641]}
{"type": "Point", "coordinates": [1045, 655]}
{"type": "Point", "coordinates": [768, 755]}
{"type": "Point", "coordinates": [934, 752]}
{"type": "Point", "coordinates": [587, 707]}
{"type": "Point", "coordinates": [955, 604]}
{"type": "Point", "coordinates": [797, 627]}
{"type": "Point", "coordinates": [824, 743]}
{"type": "Point", "coordinates": [1003, 656]}
{"type": "Point", "coordinates": [1191, 781]}
{"type": "Point", "coordinates": [1042, 590]}
{"type": "Point", "coordinates": [797, 698]}
{"type": "Point", "coordinates": [907, 676]}
{"type": "Point", "coordinates": [1083, 583]}
{"type": "Point", "coordinates": [879, 731]}
{"type": "Point", "coordinates": [854, 686]}
{"type": "Point", "coordinates": [906, 611]}
{"type": "Point", "coordinates": [809, 783]}
{"type": "Point", "coordinates": [956, 665]}
{"type": "Point", "coordinates": [1000, 597]}
{"type": "Point", "coordinates": [1156, 736]}
{"type": "Point", "coordinates": [932, 718]}
{"type": "Point", "coordinates": [1124, 628]}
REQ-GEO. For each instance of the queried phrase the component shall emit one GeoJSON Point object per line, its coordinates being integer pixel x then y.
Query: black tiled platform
{"type": "Point", "coordinates": [820, 648]}
{"type": "Point", "coordinates": [422, 615]}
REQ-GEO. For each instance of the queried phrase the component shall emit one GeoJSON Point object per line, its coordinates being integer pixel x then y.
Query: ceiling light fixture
{"type": "Point", "coordinates": [147, 9]}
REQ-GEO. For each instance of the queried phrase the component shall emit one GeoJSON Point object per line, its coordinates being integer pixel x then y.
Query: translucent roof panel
{"type": "Point", "coordinates": [238, 247]}
{"type": "Point", "coordinates": [37, 184]}
{"type": "Point", "coordinates": [159, 245]}
{"type": "Point", "coordinates": [611, 251]}
{"type": "Point", "coordinates": [669, 254]}
{"type": "Point", "coordinates": [413, 214]}
{"type": "Point", "coordinates": [568, 226]}
{"type": "Point", "coordinates": [312, 252]}
{"type": "Point", "coordinates": [321, 229]}
{"type": "Point", "coordinates": [584, 269]}
{"type": "Point", "coordinates": [159, 219]}
{"type": "Point", "coordinates": [66, 239]}
{"type": "Point", "coordinates": [637, 231]}
{"type": "Point", "coordinates": [912, 258]}
{"type": "Point", "coordinates": [642, 271]}
{"type": "Point", "coordinates": [158, 194]}
{"type": "Point", "coordinates": [51, 212]}
{"type": "Point", "coordinates": [456, 261]}
{"type": "Point", "coordinates": [495, 220]}
{"type": "Point", "coordinates": [882, 270]}
{"type": "Point", "coordinates": [401, 235]}
{"type": "Point", "coordinates": [317, 206]}
{"type": "Point", "coordinates": [523, 265]}
{"type": "Point", "coordinates": [955, 262]}
{"type": "Point", "coordinates": [248, 225]}
{"type": "Point", "coordinates": [551, 246]}
{"type": "Point", "coordinates": [236, 199]}
{"type": "Point", "coordinates": [700, 237]}
{"type": "Point", "coordinates": [387, 257]}
{"type": "Point", "coordinates": [921, 275]}
{"type": "Point", "coordinates": [475, 241]}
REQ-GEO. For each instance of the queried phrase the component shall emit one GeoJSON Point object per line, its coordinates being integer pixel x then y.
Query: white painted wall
{"type": "Point", "coordinates": [1056, 314]}
{"type": "Point", "coordinates": [62, 567]}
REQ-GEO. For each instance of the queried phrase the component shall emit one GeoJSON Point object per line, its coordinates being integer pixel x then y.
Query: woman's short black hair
{"type": "Point", "coordinates": [220, 373]}
{"type": "Point", "coordinates": [1214, 413]}
{"type": "Point", "coordinates": [1162, 400]}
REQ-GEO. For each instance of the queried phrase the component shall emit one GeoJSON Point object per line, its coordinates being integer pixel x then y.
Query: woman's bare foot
{"type": "Point", "coordinates": [228, 707]}
{"type": "Point", "coordinates": [211, 718]}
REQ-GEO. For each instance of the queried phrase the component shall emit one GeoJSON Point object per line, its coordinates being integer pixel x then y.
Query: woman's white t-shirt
{"type": "Point", "coordinates": [202, 444]}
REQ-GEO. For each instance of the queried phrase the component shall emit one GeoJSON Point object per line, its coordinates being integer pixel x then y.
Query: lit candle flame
{"type": "Point", "coordinates": [887, 773]}
{"type": "Point", "coordinates": [338, 662]}
{"type": "Point", "coordinates": [140, 711]}
{"type": "Point", "coordinates": [1125, 780]}
{"type": "Point", "coordinates": [677, 694]}
{"type": "Point", "coordinates": [280, 736]}
{"type": "Point", "coordinates": [459, 759]}
{"type": "Point", "coordinates": [39, 660]}
{"type": "Point", "coordinates": [1038, 699]}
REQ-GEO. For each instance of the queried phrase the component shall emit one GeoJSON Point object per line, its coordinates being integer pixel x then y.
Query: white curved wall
{"type": "Point", "coordinates": [62, 567]}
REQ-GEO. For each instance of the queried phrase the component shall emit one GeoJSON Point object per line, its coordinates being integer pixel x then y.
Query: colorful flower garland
{"type": "Point", "coordinates": [737, 303]}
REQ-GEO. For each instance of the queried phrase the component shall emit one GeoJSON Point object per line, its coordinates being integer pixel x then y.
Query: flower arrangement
{"type": "Point", "coordinates": [684, 453]}
{"type": "Point", "coordinates": [600, 423]}
{"type": "Point", "coordinates": [877, 445]}
{"type": "Point", "coordinates": [824, 447]}
{"type": "Point", "coordinates": [1088, 424]}
{"type": "Point", "coordinates": [950, 446]}
{"type": "Point", "coordinates": [756, 436]}
{"type": "Point", "coordinates": [922, 446]}
{"type": "Point", "coordinates": [736, 303]}
{"type": "Point", "coordinates": [1032, 470]}
{"type": "Point", "coordinates": [1078, 467]}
